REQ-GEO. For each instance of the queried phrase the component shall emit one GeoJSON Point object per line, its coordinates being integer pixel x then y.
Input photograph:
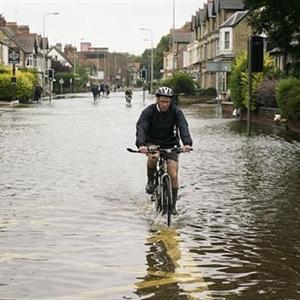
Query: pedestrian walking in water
{"type": "Point", "coordinates": [38, 92]}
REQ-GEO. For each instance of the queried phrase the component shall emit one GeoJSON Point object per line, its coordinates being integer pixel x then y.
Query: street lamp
{"type": "Point", "coordinates": [151, 82]}
{"type": "Point", "coordinates": [173, 39]}
{"type": "Point", "coordinates": [74, 62]}
{"type": "Point", "coordinates": [44, 19]}
{"type": "Point", "coordinates": [44, 36]}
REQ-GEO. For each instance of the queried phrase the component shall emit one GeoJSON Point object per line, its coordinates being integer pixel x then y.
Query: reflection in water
{"type": "Point", "coordinates": [171, 272]}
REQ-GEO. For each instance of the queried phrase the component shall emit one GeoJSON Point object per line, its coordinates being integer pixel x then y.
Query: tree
{"type": "Point", "coordinates": [180, 82]}
{"type": "Point", "coordinates": [162, 47]}
{"type": "Point", "coordinates": [158, 57]}
{"type": "Point", "coordinates": [279, 20]}
{"type": "Point", "coordinates": [146, 61]}
{"type": "Point", "coordinates": [57, 66]}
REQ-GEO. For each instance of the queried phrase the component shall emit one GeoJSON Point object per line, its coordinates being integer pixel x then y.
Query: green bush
{"type": "Point", "coordinates": [265, 93]}
{"type": "Point", "coordinates": [24, 88]}
{"type": "Point", "coordinates": [211, 92]}
{"type": "Point", "coordinates": [288, 98]}
{"type": "Point", "coordinates": [180, 83]}
{"type": "Point", "coordinates": [6, 90]}
{"type": "Point", "coordinates": [235, 84]}
{"type": "Point", "coordinates": [239, 79]}
{"type": "Point", "coordinates": [65, 76]}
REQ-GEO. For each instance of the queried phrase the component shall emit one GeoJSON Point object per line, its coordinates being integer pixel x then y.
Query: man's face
{"type": "Point", "coordinates": [163, 103]}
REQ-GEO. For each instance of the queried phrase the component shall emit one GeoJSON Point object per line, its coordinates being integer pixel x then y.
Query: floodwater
{"type": "Point", "coordinates": [76, 223]}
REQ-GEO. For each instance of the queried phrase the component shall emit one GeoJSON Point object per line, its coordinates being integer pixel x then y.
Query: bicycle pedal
{"type": "Point", "coordinates": [174, 212]}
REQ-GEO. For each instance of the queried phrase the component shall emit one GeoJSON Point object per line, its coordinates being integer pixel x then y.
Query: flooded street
{"type": "Point", "coordinates": [77, 224]}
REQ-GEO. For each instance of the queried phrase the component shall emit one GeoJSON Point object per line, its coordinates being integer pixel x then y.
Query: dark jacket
{"type": "Point", "coordinates": [160, 128]}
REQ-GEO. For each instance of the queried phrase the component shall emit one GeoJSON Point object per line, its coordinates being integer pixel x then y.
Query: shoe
{"type": "Point", "coordinates": [174, 211]}
{"type": "Point", "coordinates": [150, 186]}
{"type": "Point", "coordinates": [175, 196]}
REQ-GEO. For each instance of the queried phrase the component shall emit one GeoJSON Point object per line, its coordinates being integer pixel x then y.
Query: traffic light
{"type": "Point", "coordinates": [50, 74]}
{"type": "Point", "coordinates": [257, 53]}
{"type": "Point", "coordinates": [144, 74]}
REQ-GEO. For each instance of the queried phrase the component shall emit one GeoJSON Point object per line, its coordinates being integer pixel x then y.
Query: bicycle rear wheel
{"type": "Point", "coordinates": [156, 196]}
{"type": "Point", "coordinates": [167, 198]}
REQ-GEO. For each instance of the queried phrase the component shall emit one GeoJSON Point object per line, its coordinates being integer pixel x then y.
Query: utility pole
{"type": "Point", "coordinates": [173, 40]}
{"type": "Point", "coordinates": [152, 63]}
{"type": "Point", "coordinates": [43, 45]}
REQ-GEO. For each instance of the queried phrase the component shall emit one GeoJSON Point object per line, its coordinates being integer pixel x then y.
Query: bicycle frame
{"type": "Point", "coordinates": [162, 194]}
{"type": "Point", "coordinates": [160, 173]}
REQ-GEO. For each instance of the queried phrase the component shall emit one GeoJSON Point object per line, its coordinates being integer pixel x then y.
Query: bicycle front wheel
{"type": "Point", "coordinates": [167, 198]}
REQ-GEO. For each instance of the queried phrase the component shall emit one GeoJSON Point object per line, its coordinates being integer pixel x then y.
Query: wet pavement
{"type": "Point", "coordinates": [76, 223]}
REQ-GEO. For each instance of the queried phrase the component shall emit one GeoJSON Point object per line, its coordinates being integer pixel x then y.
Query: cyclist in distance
{"type": "Point", "coordinates": [159, 124]}
{"type": "Point", "coordinates": [128, 92]}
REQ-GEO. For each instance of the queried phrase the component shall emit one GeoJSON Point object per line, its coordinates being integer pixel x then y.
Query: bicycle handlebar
{"type": "Point", "coordinates": [157, 148]}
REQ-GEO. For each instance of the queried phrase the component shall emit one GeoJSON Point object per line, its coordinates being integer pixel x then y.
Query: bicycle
{"type": "Point", "coordinates": [162, 194]}
{"type": "Point", "coordinates": [128, 100]}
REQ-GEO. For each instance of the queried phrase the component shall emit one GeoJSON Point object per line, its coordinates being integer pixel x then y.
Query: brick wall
{"type": "Point", "coordinates": [241, 32]}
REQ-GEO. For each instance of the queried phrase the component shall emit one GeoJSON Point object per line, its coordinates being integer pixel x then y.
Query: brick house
{"type": "Point", "coordinates": [220, 33]}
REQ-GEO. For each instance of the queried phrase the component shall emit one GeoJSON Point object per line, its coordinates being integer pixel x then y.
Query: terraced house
{"type": "Point", "coordinates": [32, 47]}
{"type": "Point", "coordinates": [220, 33]}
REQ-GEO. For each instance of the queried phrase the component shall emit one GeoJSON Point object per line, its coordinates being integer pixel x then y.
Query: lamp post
{"type": "Point", "coordinates": [173, 40]}
{"type": "Point", "coordinates": [74, 59]}
{"type": "Point", "coordinates": [44, 36]}
{"type": "Point", "coordinates": [74, 62]}
{"type": "Point", "coordinates": [151, 76]}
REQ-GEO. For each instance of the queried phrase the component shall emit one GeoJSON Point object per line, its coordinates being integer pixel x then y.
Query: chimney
{"type": "Point", "coordinates": [13, 26]}
{"type": "Point", "coordinates": [23, 29]}
{"type": "Point", "coordinates": [69, 50]}
{"type": "Point", "coordinates": [2, 21]}
{"type": "Point", "coordinates": [58, 46]}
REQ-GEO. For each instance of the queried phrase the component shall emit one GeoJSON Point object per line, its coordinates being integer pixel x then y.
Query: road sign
{"type": "Point", "coordinates": [218, 66]}
{"type": "Point", "coordinates": [61, 81]}
{"type": "Point", "coordinates": [13, 55]}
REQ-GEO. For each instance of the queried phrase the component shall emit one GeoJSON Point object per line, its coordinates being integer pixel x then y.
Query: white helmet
{"type": "Point", "coordinates": [164, 91]}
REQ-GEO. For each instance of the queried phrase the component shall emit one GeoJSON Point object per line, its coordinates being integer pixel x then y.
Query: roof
{"type": "Point", "coordinates": [228, 4]}
{"type": "Point", "coordinates": [210, 12]}
{"type": "Point", "coordinates": [27, 40]}
{"type": "Point", "coordinates": [231, 4]}
{"type": "Point", "coordinates": [65, 57]}
{"type": "Point", "coordinates": [11, 36]}
{"type": "Point", "coordinates": [234, 19]}
{"type": "Point", "coordinates": [201, 16]}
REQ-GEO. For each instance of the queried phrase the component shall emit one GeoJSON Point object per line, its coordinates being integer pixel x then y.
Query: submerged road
{"type": "Point", "coordinates": [76, 223]}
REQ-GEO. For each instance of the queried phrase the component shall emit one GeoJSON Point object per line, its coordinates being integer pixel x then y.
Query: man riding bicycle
{"type": "Point", "coordinates": [128, 92]}
{"type": "Point", "coordinates": [159, 124]}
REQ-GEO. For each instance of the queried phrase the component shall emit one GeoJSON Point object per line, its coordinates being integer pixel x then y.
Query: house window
{"type": "Point", "coordinates": [29, 60]}
{"type": "Point", "coordinates": [226, 40]}
{"type": "Point", "coordinates": [217, 47]}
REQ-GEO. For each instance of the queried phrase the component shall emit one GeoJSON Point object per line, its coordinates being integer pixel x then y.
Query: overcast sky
{"type": "Point", "coordinates": [105, 23]}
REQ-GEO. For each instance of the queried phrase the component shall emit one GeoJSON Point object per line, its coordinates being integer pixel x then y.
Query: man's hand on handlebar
{"type": "Point", "coordinates": [143, 149]}
{"type": "Point", "coordinates": [186, 148]}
